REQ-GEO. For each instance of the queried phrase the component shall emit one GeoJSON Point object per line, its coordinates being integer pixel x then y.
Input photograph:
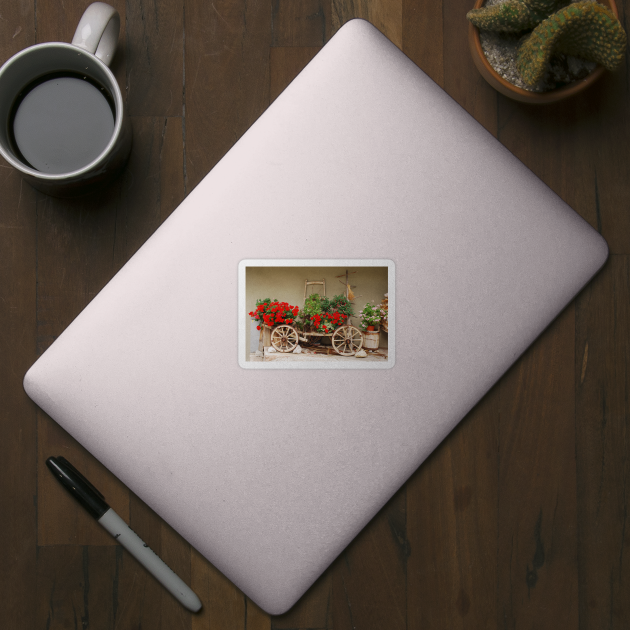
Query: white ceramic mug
{"type": "Point", "coordinates": [86, 58]}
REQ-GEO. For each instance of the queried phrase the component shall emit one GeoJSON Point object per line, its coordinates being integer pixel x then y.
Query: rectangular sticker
{"type": "Point", "coordinates": [316, 314]}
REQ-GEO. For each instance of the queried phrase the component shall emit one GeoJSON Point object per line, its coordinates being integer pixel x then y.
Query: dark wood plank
{"type": "Point", "coordinates": [18, 416]}
{"type": "Point", "coordinates": [18, 422]}
{"type": "Point", "coordinates": [76, 587]}
{"type": "Point", "coordinates": [300, 23]}
{"type": "Point", "coordinates": [369, 577]}
{"type": "Point", "coordinates": [452, 527]}
{"type": "Point", "coordinates": [154, 57]}
{"type": "Point", "coordinates": [17, 28]}
{"type": "Point", "coordinates": [603, 443]}
{"type": "Point", "coordinates": [226, 78]}
{"type": "Point", "coordinates": [537, 537]}
{"type": "Point", "coordinates": [386, 15]}
{"type": "Point", "coordinates": [608, 135]}
{"type": "Point", "coordinates": [461, 78]}
{"type": "Point", "coordinates": [422, 36]}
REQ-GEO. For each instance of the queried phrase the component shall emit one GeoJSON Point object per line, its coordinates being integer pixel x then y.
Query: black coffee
{"type": "Point", "coordinates": [61, 123]}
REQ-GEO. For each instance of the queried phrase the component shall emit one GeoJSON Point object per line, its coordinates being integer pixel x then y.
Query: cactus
{"type": "Point", "coordinates": [584, 29]}
{"type": "Point", "coordinates": [513, 16]}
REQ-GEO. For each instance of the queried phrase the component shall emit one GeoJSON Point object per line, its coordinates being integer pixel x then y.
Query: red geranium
{"type": "Point", "coordinates": [272, 312]}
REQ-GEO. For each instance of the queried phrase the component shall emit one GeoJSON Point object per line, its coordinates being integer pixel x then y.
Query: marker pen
{"type": "Point", "coordinates": [94, 502]}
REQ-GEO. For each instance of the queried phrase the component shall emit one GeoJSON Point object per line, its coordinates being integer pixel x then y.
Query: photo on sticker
{"type": "Point", "coordinates": [314, 314]}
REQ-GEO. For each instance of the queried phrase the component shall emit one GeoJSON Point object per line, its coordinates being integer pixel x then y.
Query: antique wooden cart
{"type": "Point", "coordinates": [347, 340]}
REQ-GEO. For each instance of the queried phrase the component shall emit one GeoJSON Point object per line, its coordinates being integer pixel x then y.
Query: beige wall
{"type": "Point", "coordinates": [287, 285]}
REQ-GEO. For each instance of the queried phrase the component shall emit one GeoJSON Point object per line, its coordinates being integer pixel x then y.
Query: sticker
{"type": "Point", "coordinates": [316, 314]}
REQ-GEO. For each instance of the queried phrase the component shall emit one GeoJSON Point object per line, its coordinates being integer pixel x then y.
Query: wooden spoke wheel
{"type": "Point", "coordinates": [284, 338]}
{"type": "Point", "coordinates": [347, 340]}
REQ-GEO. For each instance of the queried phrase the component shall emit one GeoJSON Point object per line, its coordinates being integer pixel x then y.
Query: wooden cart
{"type": "Point", "coordinates": [347, 340]}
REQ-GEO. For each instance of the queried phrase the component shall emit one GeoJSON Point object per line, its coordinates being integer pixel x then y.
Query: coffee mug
{"type": "Point", "coordinates": [62, 114]}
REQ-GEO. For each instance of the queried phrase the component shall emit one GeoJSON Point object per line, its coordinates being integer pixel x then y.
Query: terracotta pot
{"type": "Point", "coordinates": [370, 327]}
{"type": "Point", "coordinates": [519, 94]}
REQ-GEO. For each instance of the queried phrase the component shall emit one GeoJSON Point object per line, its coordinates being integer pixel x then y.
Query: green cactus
{"type": "Point", "coordinates": [513, 16]}
{"type": "Point", "coordinates": [584, 29]}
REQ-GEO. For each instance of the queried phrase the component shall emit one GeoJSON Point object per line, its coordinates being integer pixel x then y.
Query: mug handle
{"type": "Point", "coordinates": [98, 30]}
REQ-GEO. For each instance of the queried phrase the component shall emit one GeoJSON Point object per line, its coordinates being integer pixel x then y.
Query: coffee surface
{"type": "Point", "coordinates": [62, 124]}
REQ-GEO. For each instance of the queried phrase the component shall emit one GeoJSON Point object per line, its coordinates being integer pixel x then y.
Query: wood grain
{"type": "Point", "coordinates": [226, 78]}
{"type": "Point", "coordinates": [18, 416]}
{"type": "Point", "coordinates": [461, 79]}
{"type": "Point", "coordinates": [452, 515]}
{"type": "Point", "coordinates": [300, 23]}
{"type": "Point", "coordinates": [537, 510]}
{"type": "Point", "coordinates": [369, 577]}
{"type": "Point", "coordinates": [602, 380]}
{"type": "Point", "coordinates": [76, 587]}
{"type": "Point", "coordinates": [154, 57]}
{"type": "Point", "coordinates": [422, 36]}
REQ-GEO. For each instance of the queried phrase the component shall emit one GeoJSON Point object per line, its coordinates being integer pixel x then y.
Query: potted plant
{"type": "Point", "coordinates": [370, 317]}
{"type": "Point", "coordinates": [541, 51]}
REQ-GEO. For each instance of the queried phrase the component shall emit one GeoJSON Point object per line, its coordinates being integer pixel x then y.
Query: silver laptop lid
{"type": "Point", "coordinates": [362, 158]}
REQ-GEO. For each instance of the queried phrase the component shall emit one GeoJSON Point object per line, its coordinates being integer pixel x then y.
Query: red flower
{"type": "Point", "coordinates": [257, 327]}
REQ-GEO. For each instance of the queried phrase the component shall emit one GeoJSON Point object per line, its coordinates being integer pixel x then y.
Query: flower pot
{"type": "Point", "coordinates": [519, 94]}
{"type": "Point", "coordinates": [370, 327]}
{"type": "Point", "coordinates": [371, 339]}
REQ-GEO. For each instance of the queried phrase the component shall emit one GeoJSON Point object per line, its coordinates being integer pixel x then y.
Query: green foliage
{"type": "Point", "coordinates": [312, 305]}
{"type": "Point", "coordinates": [324, 314]}
{"type": "Point", "coordinates": [513, 16]}
{"type": "Point", "coordinates": [370, 315]}
{"type": "Point", "coordinates": [584, 29]}
{"type": "Point", "coordinates": [341, 304]}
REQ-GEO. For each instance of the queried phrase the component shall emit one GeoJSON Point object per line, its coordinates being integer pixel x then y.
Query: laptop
{"type": "Point", "coordinates": [367, 175]}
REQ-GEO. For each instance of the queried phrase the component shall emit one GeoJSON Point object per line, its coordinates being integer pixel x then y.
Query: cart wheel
{"type": "Point", "coordinates": [284, 338]}
{"type": "Point", "coordinates": [347, 340]}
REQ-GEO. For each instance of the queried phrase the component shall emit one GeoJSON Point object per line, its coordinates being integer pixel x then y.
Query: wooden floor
{"type": "Point", "coordinates": [518, 520]}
